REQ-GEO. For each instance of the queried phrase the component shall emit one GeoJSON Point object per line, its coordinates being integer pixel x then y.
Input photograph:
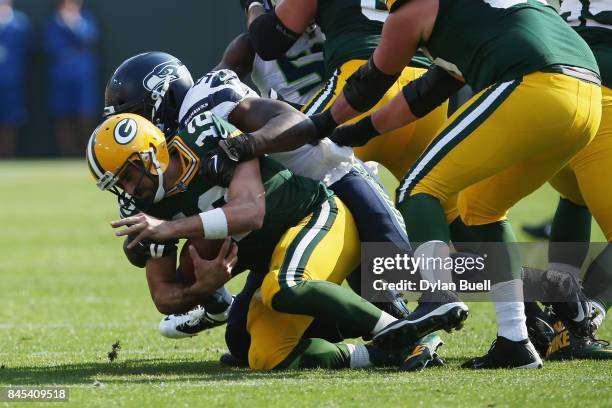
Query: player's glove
{"type": "Point", "coordinates": [240, 148]}
{"type": "Point", "coordinates": [146, 249]}
{"type": "Point", "coordinates": [357, 134]}
{"type": "Point", "coordinates": [245, 4]}
{"type": "Point", "coordinates": [217, 168]}
{"type": "Point", "coordinates": [324, 124]}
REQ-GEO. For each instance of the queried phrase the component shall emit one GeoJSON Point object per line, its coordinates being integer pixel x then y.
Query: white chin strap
{"type": "Point", "coordinates": [160, 193]}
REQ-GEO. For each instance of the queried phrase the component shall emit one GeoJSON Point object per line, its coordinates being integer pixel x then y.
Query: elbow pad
{"type": "Point", "coordinates": [429, 91]}
{"type": "Point", "coordinates": [367, 86]}
{"type": "Point", "coordinates": [139, 255]}
{"type": "Point", "coordinates": [270, 38]}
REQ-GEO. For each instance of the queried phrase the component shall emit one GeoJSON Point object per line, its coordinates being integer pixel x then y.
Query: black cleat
{"type": "Point", "coordinates": [229, 360]}
{"type": "Point", "coordinates": [574, 308]}
{"type": "Point", "coordinates": [539, 327]}
{"type": "Point", "coordinates": [505, 353]}
{"type": "Point", "coordinates": [441, 310]}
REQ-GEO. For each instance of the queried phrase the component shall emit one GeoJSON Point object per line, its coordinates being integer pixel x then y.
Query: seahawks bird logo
{"type": "Point", "coordinates": [167, 71]}
{"type": "Point", "coordinates": [125, 131]}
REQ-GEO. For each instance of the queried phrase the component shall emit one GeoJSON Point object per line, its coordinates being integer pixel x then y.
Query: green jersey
{"type": "Point", "coordinates": [289, 198]}
{"type": "Point", "coordinates": [592, 19]}
{"type": "Point", "coordinates": [488, 41]}
{"type": "Point", "coordinates": [352, 30]}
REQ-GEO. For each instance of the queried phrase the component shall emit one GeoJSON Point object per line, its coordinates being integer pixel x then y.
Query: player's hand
{"type": "Point", "coordinates": [211, 275]}
{"type": "Point", "coordinates": [357, 134]}
{"type": "Point", "coordinates": [142, 226]}
{"type": "Point", "coordinates": [240, 148]}
{"type": "Point", "coordinates": [217, 168]}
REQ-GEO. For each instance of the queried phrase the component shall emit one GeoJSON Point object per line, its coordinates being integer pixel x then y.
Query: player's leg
{"type": "Point", "coordinates": [591, 165]}
{"type": "Point", "coordinates": [493, 132]}
{"type": "Point", "coordinates": [280, 341]}
{"type": "Point", "coordinates": [377, 220]}
{"type": "Point", "coordinates": [310, 262]}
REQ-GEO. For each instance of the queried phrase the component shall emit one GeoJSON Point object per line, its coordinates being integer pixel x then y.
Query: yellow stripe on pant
{"type": "Point", "coordinates": [315, 249]}
{"type": "Point", "coordinates": [504, 143]}
{"type": "Point", "coordinates": [396, 150]}
{"type": "Point", "coordinates": [585, 180]}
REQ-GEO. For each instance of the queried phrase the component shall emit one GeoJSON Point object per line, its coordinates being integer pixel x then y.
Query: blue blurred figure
{"type": "Point", "coordinates": [70, 38]}
{"type": "Point", "coordinates": [15, 38]}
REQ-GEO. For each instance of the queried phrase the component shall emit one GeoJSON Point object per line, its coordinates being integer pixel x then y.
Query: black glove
{"type": "Point", "coordinates": [217, 168]}
{"type": "Point", "coordinates": [246, 3]}
{"type": "Point", "coordinates": [357, 134]}
{"type": "Point", "coordinates": [324, 124]}
{"type": "Point", "coordinates": [146, 249]}
{"type": "Point", "coordinates": [240, 148]}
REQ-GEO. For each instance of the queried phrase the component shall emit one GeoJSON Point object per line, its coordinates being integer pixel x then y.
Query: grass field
{"type": "Point", "coordinates": [68, 294]}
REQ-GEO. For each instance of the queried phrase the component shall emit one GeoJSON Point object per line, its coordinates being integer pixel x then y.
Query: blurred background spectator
{"type": "Point", "coordinates": [15, 36]}
{"type": "Point", "coordinates": [70, 37]}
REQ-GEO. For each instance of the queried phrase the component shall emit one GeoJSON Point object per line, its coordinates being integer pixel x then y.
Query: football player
{"type": "Point", "coordinates": [516, 156]}
{"type": "Point", "coordinates": [294, 225]}
{"type": "Point", "coordinates": [294, 77]}
{"type": "Point", "coordinates": [581, 195]}
{"type": "Point", "coordinates": [352, 30]}
{"type": "Point", "coordinates": [223, 93]}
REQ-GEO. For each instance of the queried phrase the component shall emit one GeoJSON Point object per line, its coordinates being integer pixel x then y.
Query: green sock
{"type": "Point", "coordinates": [598, 279]}
{"type": "Point", "coordinates": [317, 353]}
{"type": "Point", "coordinates": [572, 223]}
{"type": "Point", "coordinates": [503, 261]}
{"type": "Point", "coordinates": [425, 219]}
{"type": "Point", "coordinates": [326, 300]}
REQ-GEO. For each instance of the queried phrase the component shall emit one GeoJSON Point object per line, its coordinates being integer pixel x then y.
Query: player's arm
{"type": "Point", "coordinates": [272, 34]}
{"type": "Point", "coordinates": [416, 100]}
{"type": "Point", "coordinates": [169, 296]}
{"type": "Point", "coordinates": [271, 126]}
{"type": "Point", "coordinates": [404, 29]}
{"type": "Point", "coordinates": [244, 212]}
{"type": "Point", "coordinates": [238, 56]}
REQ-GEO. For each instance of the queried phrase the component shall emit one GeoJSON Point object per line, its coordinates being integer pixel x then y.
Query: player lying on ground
{"type": "Point", "coordinates": [223, 93]}
{"type": "Point", "coordinates": [294, 224]}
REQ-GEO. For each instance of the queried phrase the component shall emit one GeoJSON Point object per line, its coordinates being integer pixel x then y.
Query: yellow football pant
{"type": "Point", "coordinates": [583, 181]}
{"type": "Point", "coordinates": [395, 150]}
{"type": "Point", "coordinates": [504, 143]}
{"type": "Point", "coordinates": [323, 246]}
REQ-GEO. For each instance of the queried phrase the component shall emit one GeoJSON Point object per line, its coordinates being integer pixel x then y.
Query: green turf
{"type": "Point", "coordinates": [68, 294]}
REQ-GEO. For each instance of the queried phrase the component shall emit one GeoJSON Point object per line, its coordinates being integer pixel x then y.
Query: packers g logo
{"type": "Point", "coordinates": [125, 131]}
{"type": "Point", "coordinates": [170, 70]}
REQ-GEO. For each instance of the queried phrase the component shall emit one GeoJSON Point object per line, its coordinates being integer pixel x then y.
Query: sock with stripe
{"type": "Point", "coordinates": [326, 300]}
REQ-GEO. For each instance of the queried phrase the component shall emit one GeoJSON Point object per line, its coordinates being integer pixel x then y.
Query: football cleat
{"type": "Point", "coordinates": [436, 311]}
{"type": "Point", "coordinates": [229, 360]}
{"type": "Point", "coordinates": [423, 354]}
{"type": "Point", "coordinates": [179, 326]}
{"type": "Point", "coordinates": [506, 353]}
{"type": "Point", "coordinates": [575, 313]}
{"type": "Point", "coordinates": [597, 317]}
{"type": "Point", "coordinates": [541, 231]}
{"type": "Point", "coordinates": [567, 346]}
{"type": "Point", "coordinates": [539, 327]}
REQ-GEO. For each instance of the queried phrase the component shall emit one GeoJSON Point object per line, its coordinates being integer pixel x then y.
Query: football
{"type": "Point", "coordinates": [207, 248]}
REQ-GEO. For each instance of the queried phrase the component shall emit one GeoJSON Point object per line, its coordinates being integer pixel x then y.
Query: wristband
{"type": "Point", "coordinates": [214, 224]}
{"type": "Point", "coordinates": [255, 3]}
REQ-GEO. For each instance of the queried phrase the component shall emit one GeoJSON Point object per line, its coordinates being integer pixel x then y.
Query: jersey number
{"type": "Point", "coordinates": [375, 10]}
